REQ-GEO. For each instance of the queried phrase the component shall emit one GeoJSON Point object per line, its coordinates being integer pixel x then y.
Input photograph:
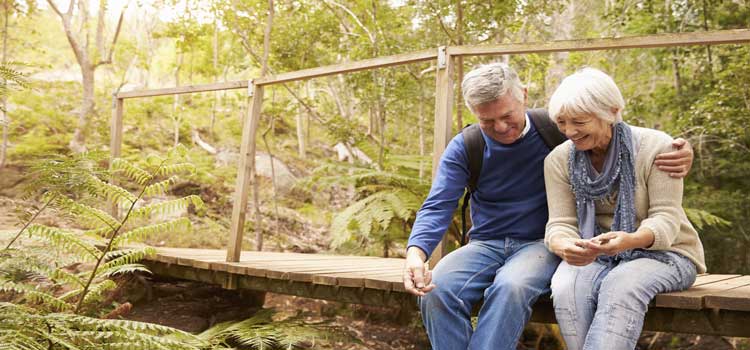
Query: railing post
{"type": "Point", "coordinates": [115, 140]}
{"type": "Point", "coordinates": [443, 124]}
{"type": "Point", "coordinates": [246, 164]}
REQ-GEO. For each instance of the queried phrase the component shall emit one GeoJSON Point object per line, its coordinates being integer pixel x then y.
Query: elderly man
{"type": "Point", "coordinates": [505, 264]}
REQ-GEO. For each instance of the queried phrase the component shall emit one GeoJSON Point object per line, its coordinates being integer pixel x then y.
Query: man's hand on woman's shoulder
{"type": "Point", "coordinates": [678, 162]}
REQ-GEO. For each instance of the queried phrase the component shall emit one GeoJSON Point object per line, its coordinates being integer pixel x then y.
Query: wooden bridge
{"type": "Point", "coordinates": [716, 304]}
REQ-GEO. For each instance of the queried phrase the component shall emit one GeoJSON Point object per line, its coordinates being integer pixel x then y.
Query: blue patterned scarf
{"type": "Point", "coordinates": [617, 178]}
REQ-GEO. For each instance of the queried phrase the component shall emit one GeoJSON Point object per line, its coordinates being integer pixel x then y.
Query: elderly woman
{"type": "Point", "coordinates": [615, 220]}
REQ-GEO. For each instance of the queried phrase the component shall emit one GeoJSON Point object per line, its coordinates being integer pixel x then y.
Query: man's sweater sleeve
{"type": "Point", "coordinates": [434, 217]}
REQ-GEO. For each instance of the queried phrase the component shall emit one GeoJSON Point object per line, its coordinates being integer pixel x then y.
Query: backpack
{"type": "Point", "coordinates": [474, 146]}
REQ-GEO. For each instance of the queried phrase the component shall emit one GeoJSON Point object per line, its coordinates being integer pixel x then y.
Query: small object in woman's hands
{"type": "Point", "coordinates": [601, 240]}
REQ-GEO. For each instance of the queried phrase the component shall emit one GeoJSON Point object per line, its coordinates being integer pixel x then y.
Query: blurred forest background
{"type": "Point", "coordinates": [344, 162]}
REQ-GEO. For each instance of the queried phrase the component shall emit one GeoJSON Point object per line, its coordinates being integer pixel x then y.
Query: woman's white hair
{"type": "Point", "coordinates": [489, 82]}
{"type": "Point", "coordinates": [588, 91]}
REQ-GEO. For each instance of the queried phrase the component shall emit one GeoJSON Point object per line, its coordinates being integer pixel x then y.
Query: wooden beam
{"type": "Point", "coordinates": [241, 84]}
{"type": "Point", "coordinates": [629, 42]}
{"type": "Point", "coordinates": [443, 125]}
{"type": "Point", "coordinates": [246, 164]}
{"type": "Point", "coordinates": [379, 62]}
{"type": "Point", "coordinates": [115, 140]}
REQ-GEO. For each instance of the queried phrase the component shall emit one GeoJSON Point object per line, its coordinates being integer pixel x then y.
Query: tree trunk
{"type": "Point", "coordinates": [78, 143]}
{"type": "Point", "coordinates": [88, 58]}
{"type": "Point", "coordinates": [460, 66]}
{"type": "Point", "coordinates": [420, 127]}
{"type": "Point", "coordinates": [215, 74]}
{"type": "Point", "coordinates": [4, 121]}
{"type": "Point", "coordinates": [176, 116]}
{"type": "Point", "coordinates": [263, 72]}
{"type": "Point", "coordinates": [300, 132]}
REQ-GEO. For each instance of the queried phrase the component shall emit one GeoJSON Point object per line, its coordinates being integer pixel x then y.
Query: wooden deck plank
{"type": "Point", "coordinates": [693, 298]}
{"type": "Point", "coordinates": [733, 299]}
{"type": "Point", "coordinates": [374, 273]}
{"type": "Point", "coordinates": [710, 278]}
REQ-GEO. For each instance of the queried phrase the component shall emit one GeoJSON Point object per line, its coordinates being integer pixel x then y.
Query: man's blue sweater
{"type": "Point", "coordinates": [510, 200]}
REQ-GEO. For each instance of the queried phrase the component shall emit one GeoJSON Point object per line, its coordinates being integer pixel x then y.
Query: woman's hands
{"type": "Point", "coordinates": [581, 252]}
{"type": "Point", "coordinates": [572, 250]}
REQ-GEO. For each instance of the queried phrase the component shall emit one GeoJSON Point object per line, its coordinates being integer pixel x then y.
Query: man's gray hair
{"type": "Point", "coordinates": [588, 91]}
{"type": "Point", "coordinates": [489, 82]}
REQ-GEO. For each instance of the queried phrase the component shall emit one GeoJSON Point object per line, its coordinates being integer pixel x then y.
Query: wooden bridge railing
{"type": "Point", "coordinates": [443, 103]}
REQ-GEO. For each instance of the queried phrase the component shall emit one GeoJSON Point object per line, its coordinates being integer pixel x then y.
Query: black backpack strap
{"type": "Point", "coordinates": [474, 146]}
{"type": "Point", "coordinates": [546, 127]}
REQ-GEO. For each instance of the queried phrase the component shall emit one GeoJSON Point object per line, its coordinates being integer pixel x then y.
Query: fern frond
{"type": "Point", "coordinates": [65, 276]}
{"type": "Point", "coordinates": [96, 292]}
{"type": "Point", "coordinates": [10, 74]}
{"type": "Point", "coordinates": [131, 170]}
{"type": "Point", "coordinates": [161, 187]}
{"type": "Point", "coordinates": [65, 241]}
{"type": "Point", "coordinates": [112, 192]}
{"type": "Point", "coordinates": [36, 296]}
{"type": "Point", "coordinates": [701, 218]}
{"type": "Point", "coordinates": [15, 340]}
{"type": "Point", "coordinates": [140, 233]}
{"type": "Point", "coordinates": [168, 207]}
{"type": "Point", "coordinates": [126, 257]}
{"type": "Point", "coordinates": [100, 232]}
{"type": "Point", "coordinates": [90, 216]}
{"type": "Point", "coordinates": [121, 269]}
{"type": "Point", "coordinates": [179, 168]}
{"type": "Point", "coordinates": [375, 211]}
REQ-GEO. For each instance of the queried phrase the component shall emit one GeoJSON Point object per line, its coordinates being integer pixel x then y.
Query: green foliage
{"type": "Point", "coordinates": [261, 332]}
{"type": "Point", "coordinates": [701, 219]}
{"type": "Point", "coordinates": [36, 274]}
{"type": "Point", "coordinates": [24, 328]}
{"type": "Point", "coordinates": [9, 79]}
{"type": "Point", "coordinates": [387, 203]}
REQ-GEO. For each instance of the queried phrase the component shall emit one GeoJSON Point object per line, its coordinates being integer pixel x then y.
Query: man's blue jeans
{"type": "Point", "coordinates": [602, 305]}
{"type": "Point", "coordinates": [509, 274]}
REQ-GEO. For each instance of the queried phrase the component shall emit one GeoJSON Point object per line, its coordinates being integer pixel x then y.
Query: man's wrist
{"type": "Point", "coordinates": [414, 250]}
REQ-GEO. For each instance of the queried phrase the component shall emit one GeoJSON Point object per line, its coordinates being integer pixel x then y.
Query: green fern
{"type": "Point", "coordinates": [701, 218]}
{"type": "Point", "coordinates": [140, 233]}
{"type": "Point", "coordinates": [388, 201]}
{"type": "Point", "coordinates": [262, 332]}
{"type": "Point", "coordinates": [65, 240]}
{"type": "Point", "coordinates": [75, 187]}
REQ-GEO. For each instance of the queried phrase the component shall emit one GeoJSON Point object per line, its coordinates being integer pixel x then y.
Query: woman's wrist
{"type": "Point", "coordinates": [643, 238]}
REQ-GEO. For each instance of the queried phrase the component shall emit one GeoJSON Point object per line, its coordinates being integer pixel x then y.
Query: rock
{"type": "Point", "coordinates": [284, 177]}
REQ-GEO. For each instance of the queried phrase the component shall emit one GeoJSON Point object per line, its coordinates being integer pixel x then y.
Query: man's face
{"type": "Point", "coordinates": [503, 119]}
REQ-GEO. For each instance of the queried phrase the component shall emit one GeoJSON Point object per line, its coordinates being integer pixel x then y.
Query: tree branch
{"type": "Point", "coordinates": [100, 49]}
{"type": "Point", "coordinates": [356, 19]}
{"type": "Point", "coordinates": [74, 44]}
{"type": "Point", "coordinates": [117, 35]}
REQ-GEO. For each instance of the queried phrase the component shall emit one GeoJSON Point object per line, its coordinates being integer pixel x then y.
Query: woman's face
{"type": "Point", "coordinates": [585, 130]}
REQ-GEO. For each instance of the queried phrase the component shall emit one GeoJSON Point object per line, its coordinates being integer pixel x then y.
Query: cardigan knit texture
{"type": "Point", "coordinates": [658, 199]}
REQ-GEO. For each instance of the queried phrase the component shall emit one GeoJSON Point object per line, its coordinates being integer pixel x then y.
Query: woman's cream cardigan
{"type": "Point", "coordinates": [658, 199]}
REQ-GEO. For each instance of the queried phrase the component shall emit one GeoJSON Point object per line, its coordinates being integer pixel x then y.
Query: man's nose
{"type": "Point", "coordinates": [501, 126]}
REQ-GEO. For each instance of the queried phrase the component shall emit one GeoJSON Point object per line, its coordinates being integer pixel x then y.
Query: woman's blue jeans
{"type": "Point", "coordinates": [602, 305]}
{"type": "Point", "coordinates": [509, 274]}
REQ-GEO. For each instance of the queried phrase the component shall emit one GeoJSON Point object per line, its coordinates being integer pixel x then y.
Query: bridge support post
{"type": "Point", "coordinates": [443, 125]}
{"type": "Point", "coordinates": [245, 167]}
